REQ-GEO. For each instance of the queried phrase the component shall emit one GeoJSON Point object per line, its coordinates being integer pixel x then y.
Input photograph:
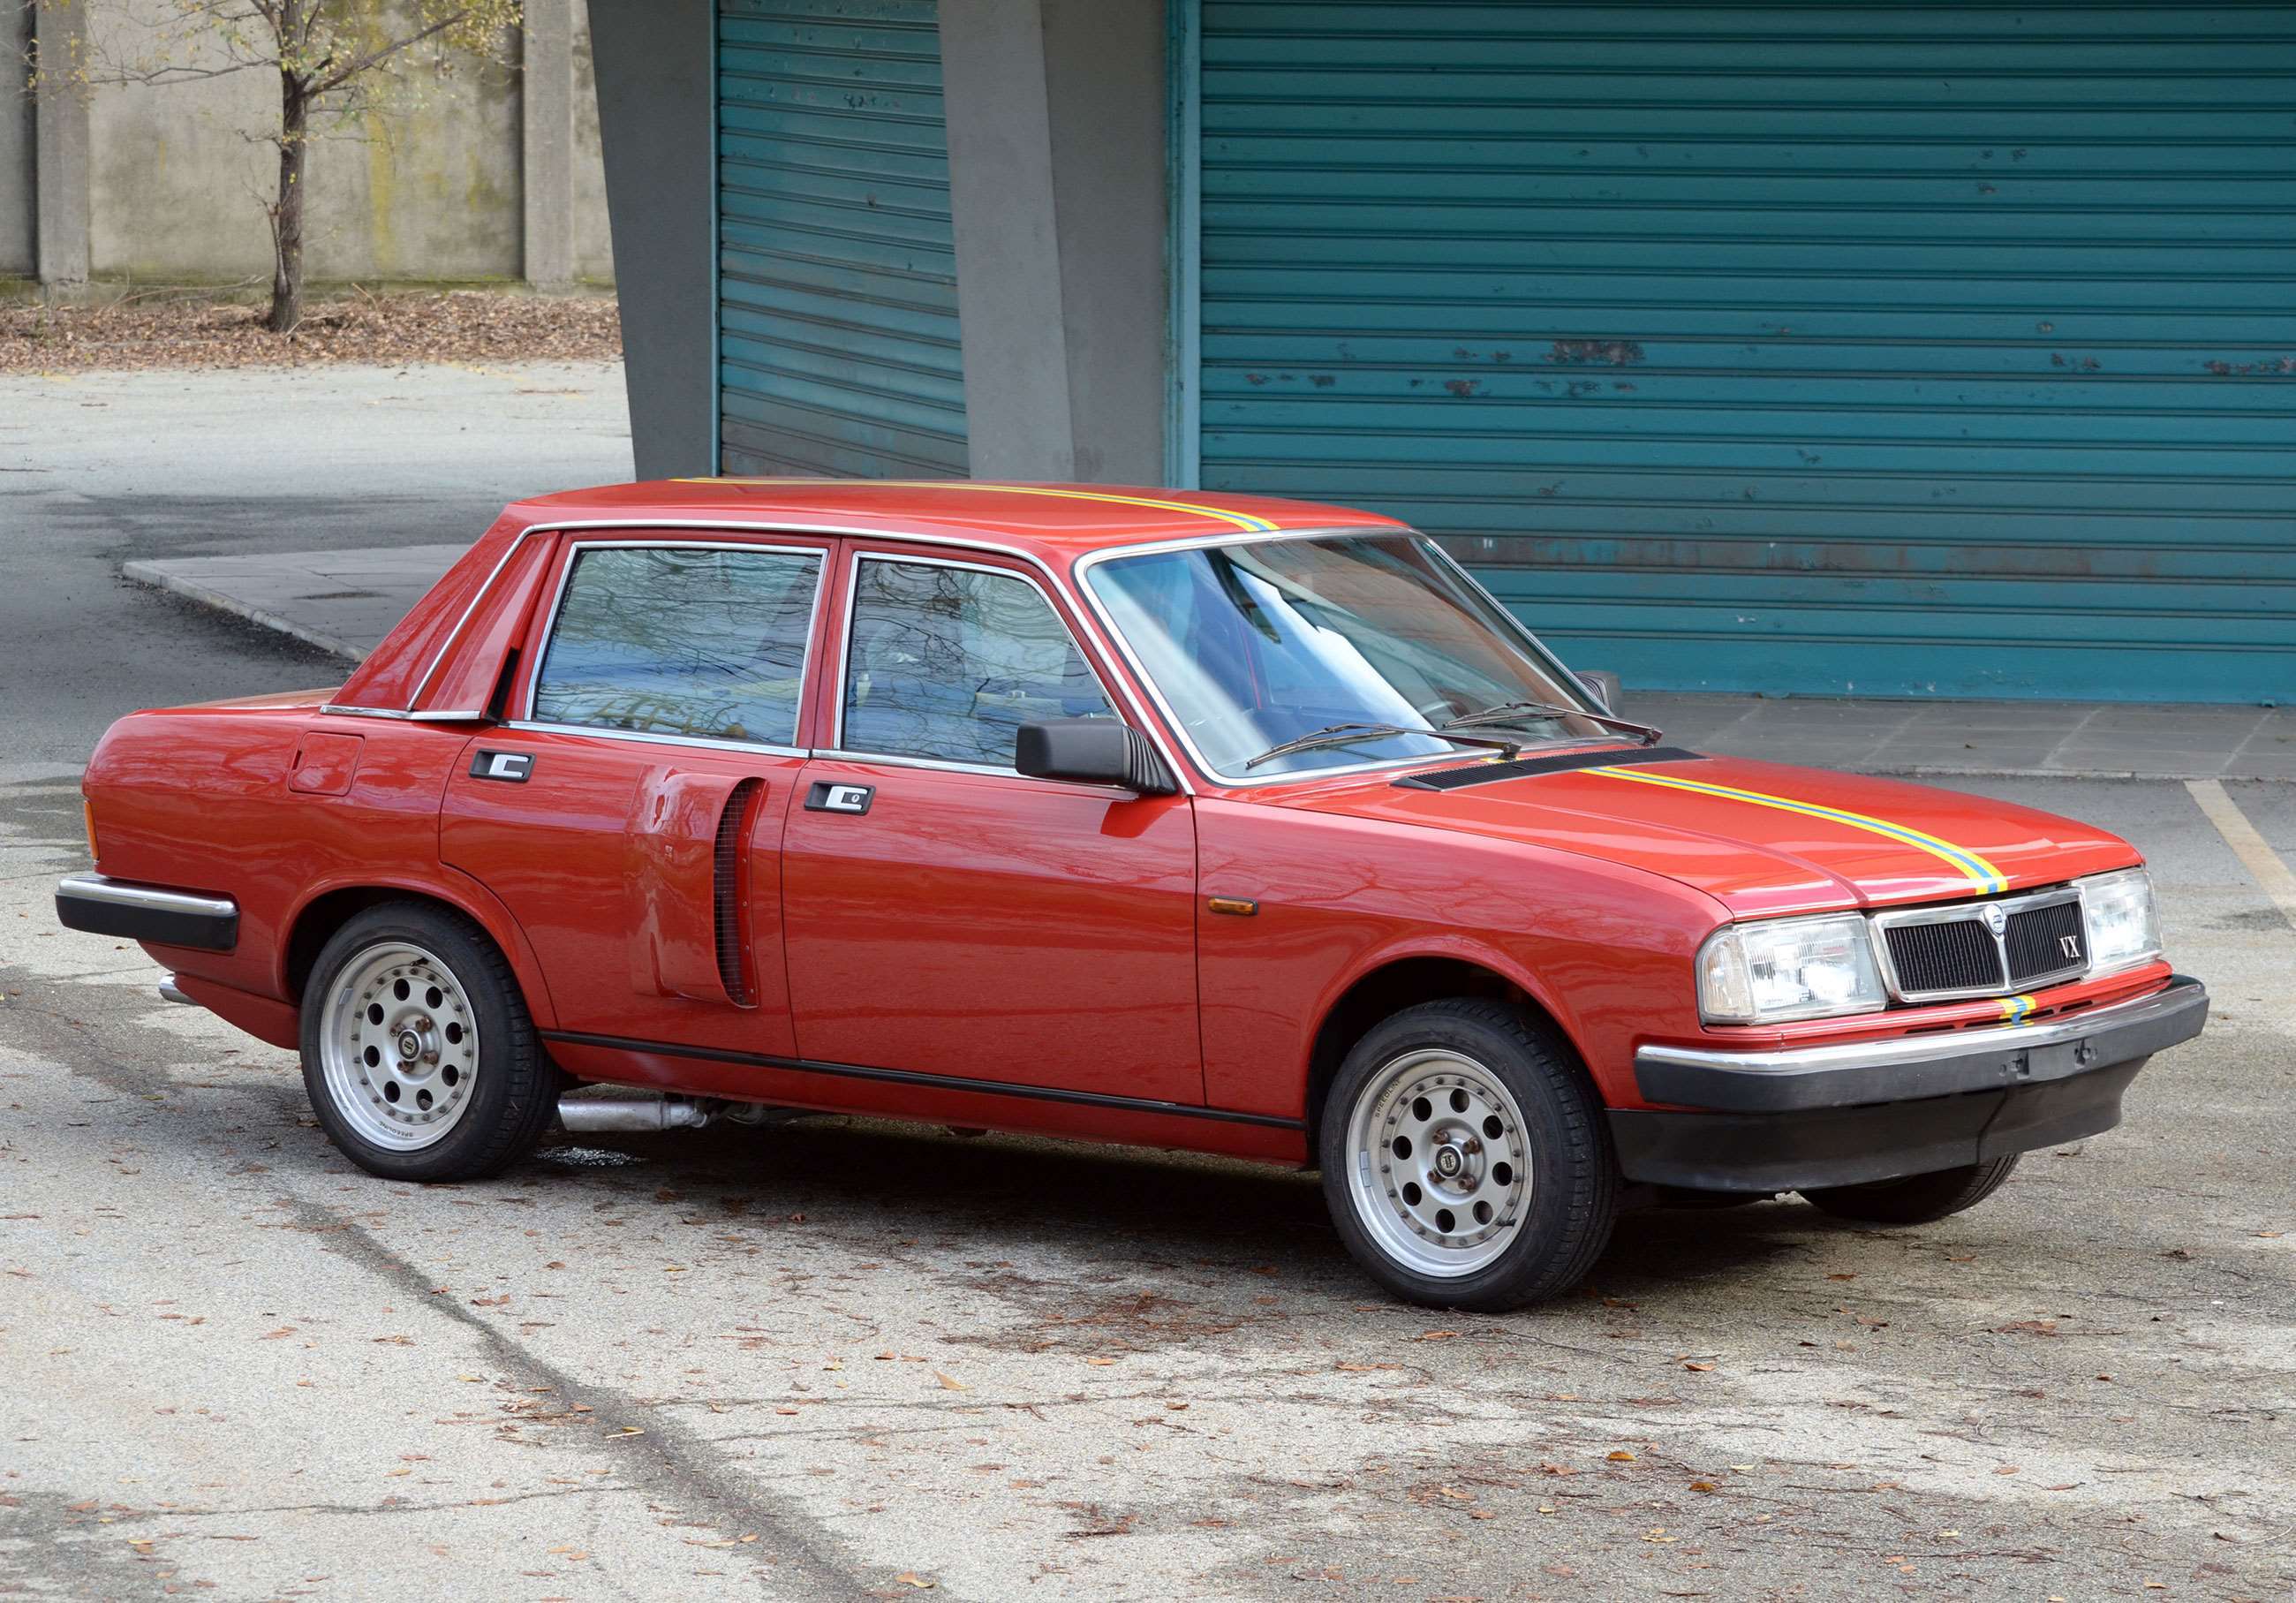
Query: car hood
{"type": "Point", "coordinates": [1760, 837]}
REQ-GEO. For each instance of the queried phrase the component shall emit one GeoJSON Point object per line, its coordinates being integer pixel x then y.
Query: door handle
{"type": "Point", "coordinates": [512, 767]}
{"type": "Point", "coordinates": [829, 796]}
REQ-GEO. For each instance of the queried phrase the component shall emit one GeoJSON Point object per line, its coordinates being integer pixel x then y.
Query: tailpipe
{"type": "Point", "coordinates": [590, 1115]}
{"type": "Point", "coordinates": [169, 992]}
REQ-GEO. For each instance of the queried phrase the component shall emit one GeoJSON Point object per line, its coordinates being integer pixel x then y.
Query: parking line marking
{"type": "Point", "coordinates": [2255, 854]}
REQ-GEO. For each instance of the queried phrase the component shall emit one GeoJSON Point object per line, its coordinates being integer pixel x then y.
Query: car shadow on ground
{"type": "Point", "coordinates": [1122, 1208]}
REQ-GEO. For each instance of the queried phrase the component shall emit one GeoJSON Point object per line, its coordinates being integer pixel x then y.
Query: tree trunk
{"type": "Point", "coordinates": [287, 219]}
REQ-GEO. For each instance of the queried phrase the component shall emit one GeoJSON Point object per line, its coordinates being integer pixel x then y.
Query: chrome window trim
{"type": "Point", "coordinates": [425, 716]}
{"type": "Point", "coordinates": [1129, 701]}
{"type": "Point", "coordinates": [1973, 912]}
{"type": "Point", "coordinates": [469, 612]}
{"type": "Point", "coordinates": [574, 550]}
{"type": "Point", "coordinates": [646, 737]}
{"type": "Point", "coordinates": [1091, 560]}
{"type": "Point", "coordinates": [120, 893]}
{"type": "Point", "coordinates": [1115, 792]}
{"type": "Point", "coordinates": [859, 554]}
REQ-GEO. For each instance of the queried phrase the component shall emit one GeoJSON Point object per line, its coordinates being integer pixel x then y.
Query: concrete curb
{"type": "Point", "coordinates": [156, 576]}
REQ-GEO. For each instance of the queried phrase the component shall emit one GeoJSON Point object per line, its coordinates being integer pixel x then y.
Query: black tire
{"type": "Point", "coordinates": [1917, 1198]}
{"type": "Point", "coordinates": [512, 1086]}
{"type": "Point", "coordinates": [1570, 1200]}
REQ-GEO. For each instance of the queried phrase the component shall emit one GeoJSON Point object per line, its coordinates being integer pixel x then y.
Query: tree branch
{"type": "Point", "coordinates": [358, 64]}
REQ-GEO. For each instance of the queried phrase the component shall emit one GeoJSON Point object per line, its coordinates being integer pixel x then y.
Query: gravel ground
{"type": "Point", "coordinates": [186, 329]}
{"type": "Point", "coordinates": [837, 1358]}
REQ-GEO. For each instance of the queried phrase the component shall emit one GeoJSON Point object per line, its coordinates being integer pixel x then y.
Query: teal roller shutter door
{"type": "Point", "coordinates": [1885, 349]}
{"type": "Point", "coordinates": [837, 276]}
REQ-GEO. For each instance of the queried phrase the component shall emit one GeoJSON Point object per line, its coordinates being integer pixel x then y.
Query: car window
{"type": "Point", "coordinates": [948, 662]}
{"type": "Point", "coordinates": [681, 640]}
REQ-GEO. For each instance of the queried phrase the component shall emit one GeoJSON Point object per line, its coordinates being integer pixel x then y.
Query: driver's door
{"type": "Point", "coordinates": [947, 915]}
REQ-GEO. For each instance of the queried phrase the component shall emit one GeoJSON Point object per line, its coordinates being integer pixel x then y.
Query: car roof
{"type": "Point", "coordinates": [1052, 522]}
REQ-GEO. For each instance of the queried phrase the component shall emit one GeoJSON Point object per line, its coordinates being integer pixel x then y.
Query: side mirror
{"type": "Point", "coordinates": [1605, 686]}
{"type": "Point", "coordinates": [1091, 750]}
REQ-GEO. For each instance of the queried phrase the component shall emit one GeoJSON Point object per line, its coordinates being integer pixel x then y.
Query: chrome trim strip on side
{"type": "Point", "coordinates": [120, 893]}
{"type": "Point", "coordinates": [1971, 911]}
{"type": "Point", "coordinates": [858, 556]}
{"type": "Point", "coordinates": [479, 596]}
{"type": "Point", "coordinates": [1905, 1051]}
{"type": "Point", "coordinates": [1082, 570]}
{"type": "Point", "coordinates": [565, 575]}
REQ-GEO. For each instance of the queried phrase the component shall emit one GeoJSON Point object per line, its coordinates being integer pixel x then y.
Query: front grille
{"type": "Point", "coordinates": [1937, 952]}
{"type": "Point", "coordinates": [2036, 941]}
{"type": "Point", "coordinates": [1959, 955]}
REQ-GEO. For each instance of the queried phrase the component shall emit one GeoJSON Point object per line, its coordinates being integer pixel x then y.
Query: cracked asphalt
{"type": "Point", "coordinates": [839, 1359]}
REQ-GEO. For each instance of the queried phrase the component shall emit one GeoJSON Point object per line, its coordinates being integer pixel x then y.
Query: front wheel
{"type": "Point", "coordinates": [418, 1053]}
{"type": "Point", "coordinates": [1917, 1198]}
{"type": "Point", "coordinates": [1464, 1158]}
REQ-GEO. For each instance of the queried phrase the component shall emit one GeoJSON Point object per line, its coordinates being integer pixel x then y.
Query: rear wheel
{"type": "Point", "coordinates": [1917, 1198]}
{"type": "Point", "coordinates": [1464, 1158]}
{"type": "Point", "coordinates": [418, 1053]}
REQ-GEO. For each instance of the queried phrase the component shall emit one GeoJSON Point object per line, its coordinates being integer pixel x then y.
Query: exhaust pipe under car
{"type": "Point", "coordinates": [592, 1115]}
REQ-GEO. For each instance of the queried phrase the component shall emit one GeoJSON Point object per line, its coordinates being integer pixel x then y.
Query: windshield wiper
{"type": "Point", "coordinates": [1340, 734]}
{"type": "Point", "coordinates": [1509, 712]}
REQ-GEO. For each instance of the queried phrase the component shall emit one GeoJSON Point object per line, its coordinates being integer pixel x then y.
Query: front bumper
{"type": "Point", "coordinates": [1839, 1116]}
{"type": "Point", "coordinates": [114, 906]}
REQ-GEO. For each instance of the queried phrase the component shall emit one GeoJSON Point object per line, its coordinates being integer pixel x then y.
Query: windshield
{"type": "Point", "coordinates": [1257, 644]}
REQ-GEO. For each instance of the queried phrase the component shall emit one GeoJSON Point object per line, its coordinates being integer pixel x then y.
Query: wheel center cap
{"type": "Point", "coordinates": [1449, 1162]}
{"type": "Point", "coordinates": [410, 1045]}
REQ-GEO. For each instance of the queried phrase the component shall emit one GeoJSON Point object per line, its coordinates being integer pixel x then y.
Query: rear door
{"type": "Point", "coordinates": [632, 818]}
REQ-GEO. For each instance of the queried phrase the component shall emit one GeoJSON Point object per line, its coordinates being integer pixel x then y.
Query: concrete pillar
{"type": "Point", "coordinates": [546, 148]}
{"type": "Point", "coordinates": [60, 151]}
{"type": "Point", "coordinates": [655, 120]}
{"type": "Point", "coordinates": [1056, 113]}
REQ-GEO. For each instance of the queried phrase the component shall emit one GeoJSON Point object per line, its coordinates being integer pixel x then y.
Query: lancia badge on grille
{"type": "Point", "coordinates": [1996, 919]}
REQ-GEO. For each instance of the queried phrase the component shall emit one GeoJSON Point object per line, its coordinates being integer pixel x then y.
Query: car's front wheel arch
{"type": "Point", "coordinates": [1381, 992]}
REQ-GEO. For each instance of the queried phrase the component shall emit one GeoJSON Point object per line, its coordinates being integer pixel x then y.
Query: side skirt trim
{"type": "Point", "coordinates": [939, 1082]}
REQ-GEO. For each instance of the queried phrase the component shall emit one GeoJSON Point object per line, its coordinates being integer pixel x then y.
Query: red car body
{"type": "Point", "coordinates": [1180, 970]}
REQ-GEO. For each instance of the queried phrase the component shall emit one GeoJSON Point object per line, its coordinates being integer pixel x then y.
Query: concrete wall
{"type": "Point", "coordinates": [17, 237]}
{"type": "Point", "coordinates": [176, 190]}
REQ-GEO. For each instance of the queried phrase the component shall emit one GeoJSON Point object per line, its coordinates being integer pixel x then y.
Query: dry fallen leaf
{"type": "Point", "coordinates": [911, 1578]}
{"type": "Point", "coordinates": [1702, 1369]}
{"type": "Point", "coordinates": [1622, 1457]}
{"type": "Point", "coordinates": [949, 1385]}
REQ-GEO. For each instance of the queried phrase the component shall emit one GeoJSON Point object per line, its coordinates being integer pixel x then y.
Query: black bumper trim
{"type": "Point", "coordinates": [1849, 1146]}
{"type": "Point", "coordinates": [1907, 1068]}
{"type": "Point", "coordinates": [99, 906]}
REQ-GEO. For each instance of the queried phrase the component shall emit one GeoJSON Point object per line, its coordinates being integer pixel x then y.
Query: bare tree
{"type": "Point", "coordinates": [334, 59]}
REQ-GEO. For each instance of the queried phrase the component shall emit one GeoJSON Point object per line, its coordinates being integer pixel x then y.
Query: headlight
{"type": "Point", "coordinates": [1785, 969]}
{"type": "Point", "coordinates": [2118, 920]}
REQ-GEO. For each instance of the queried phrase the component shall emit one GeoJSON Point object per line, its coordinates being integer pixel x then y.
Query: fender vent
{"type": "Point", "coordinates": [730, 887]}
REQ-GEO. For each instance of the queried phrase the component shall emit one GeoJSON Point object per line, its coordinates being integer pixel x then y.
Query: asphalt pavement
{"type": "Point", "coordinates": [843, 1359]}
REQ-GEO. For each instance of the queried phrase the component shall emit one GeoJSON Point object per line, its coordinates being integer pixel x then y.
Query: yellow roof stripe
{"type": "Point", "coordinates": [1979, 872]}
{"type": "Point", "coordinates": [1240, 520]}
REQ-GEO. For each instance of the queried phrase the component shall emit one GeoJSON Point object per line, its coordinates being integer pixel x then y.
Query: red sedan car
{"type": "Point", "coordinates": [1195, 821]}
